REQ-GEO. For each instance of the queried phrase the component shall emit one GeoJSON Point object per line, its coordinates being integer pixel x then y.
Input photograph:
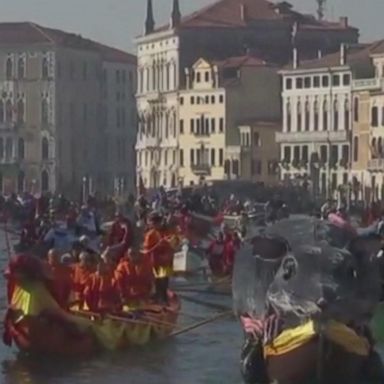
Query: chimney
{"type": "Point", "coordinates": [176, 14]}
{"type": "Point", "coordinates": [319, 54]}
{"type": "Point", "coordinates": [243, 12]}
{"type": "Point", "coordinates": [343, 54]}
{"type": "Point", "coordinates": [149, 21]}
{"type": "Point", "coordinates": [343, 21]}
{"type": "Point", "coordinates": [295, 58]}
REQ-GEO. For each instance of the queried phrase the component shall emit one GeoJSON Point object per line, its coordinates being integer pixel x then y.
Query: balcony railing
{"type": "Point", "coordinates": [366, 84]}
{"type": "Point", "coordinates": [201, 169]}
{"type": "Point", "coordinates": [318, 136]}
{"type": "Point", "coordinates": [376, 165]}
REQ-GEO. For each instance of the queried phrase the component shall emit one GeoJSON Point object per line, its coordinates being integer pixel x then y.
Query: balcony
{"type": "Point", "coordinates": [305, 137]}
{"type": "Point", "coordinates": [376, 165]}
{"type": "Point", "coordinates": [147, 142]}
{"type": "Point", "coordinates": [153, 96]}
{"type": "Point", "coordinates": [201, 169]}
{"type": "Point", "coordinates": [366, 84]}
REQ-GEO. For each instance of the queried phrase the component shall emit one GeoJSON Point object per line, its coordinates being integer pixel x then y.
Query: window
{"type": "Point", "coordinates": [325, 81]}
{"type": "Point", "coordinates": [298, 116]}
{"type": "Point", "coordinates": [198, 131]}
{"type": "Point", "coordinates": [296, 153]}
{"type": "Point", "coordinates": [334, 181]}
{"type": "Point", "coordinates": [206, 99]}
{"type": "Point", "coordinates": [346, 115]}
{"type": "Point", "coordinates": [335, 80]}
{"type": "Point", "coordinates": [117, 75]}
{"type": "Point", "coordinates": [380, 147]}
{"type": "Point", "coordinates": [307, 82]}
{"type": "Point", "coordinates": [373, 148]}
{"type": "Point", "coordinates": [287, 154]}
{"type": "Point", "coordinates": [181, 127]}
{"type": "Point", "coordinates": [289, 117]}
{"type": "Point", "coordinates": [355, 148]}
{"type": "Point", "coordinates": [345, 153]}
{"type": "Point", "coordinates": [316, 115]}
{"type": "Point", "coordinates": [181, 100]}
{"type": "Point", "coordinates": [192, 157]}
{"type": "Point", "coordinates": [206, 126]}
{"type": "Point", "coordinates": [324, 154]}
{"type": "Point", "coordinates": [256, 167]}
{"type": "Point", "coordinates": [334, 154]}
{"type": "Point", "coordinates": [307, 116]}
{"type": "Point", "coordinates": [20, 111]}
{"type": "Point", "coordinates": [9, 68]}
{"type": "Point", "coordinates": [192, 100]}
{"type": "Point", "coordinates": [181, 157]}
{"type": "Point", "coordinates": [221, 125]}
{"type": "Point", "coordinates": [288, 83]}
{"type": "Point", "coordinates": [213, 99]}
{"type": "Point", "coordinates": [325, 115]}
{"type": "Point", "coordinates": [165, 157]}
{"type": "Point", "coordinates": [206, 76]}
{"type": "Point", "coordinates": [213, 125]}
{"type": "Point", "coordinates": [197, 99]}
{"type": "Point", "coordinates": [356, 109]}
{"type": "Point", "coordinates": [346, 79]}
{"type": "Point", "coordinates": [85, 71]}
{"type": "Point", "coordinates": [304, 155]}
{"type": "Point", "coordinates": [44, 148]}
{"type": "Point", "coordinates": [221, 157]}
{"type": "Point", "coordinates": [256, 139]}
{"type": "Point", "coordinates": [21, 149]}
{"type": "Point", "coordinates": [44, 181]}
{"type": "Point", "coordinates": [198, 77]}
{"type": "Point", "coordinates": [21, 68]}
{"type": "Point", "coordinates": [335, 115]}
{"type": "Point", "coordinates": [213, 159]}
{"type": "Point", "coordinates": [221, 99]}
{"type": "Point", "coordinates": [299, 83]}
{"type": "Point", "coordinates": [44, 111]}
{"type": "Point", "coordinates": [192, 125]}
{"type": "Point", "coordinates": [8, 111]}
{"type": "Point", "coordinates": [316, 82]}
{"type": "Point", "coordinates": [374, 116]}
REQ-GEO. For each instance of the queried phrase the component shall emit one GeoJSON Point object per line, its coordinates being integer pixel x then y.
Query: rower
{"type": "Point", "coordinates": [161, 253]}
{"type": "Point", "coordinates": [121, 231]}
{"type": "Point", "coordinates": [62, 278]}
{"type": "Point", "coordinates": [100, 291]}
{"type": "Point", "coordinates": [135, 279]}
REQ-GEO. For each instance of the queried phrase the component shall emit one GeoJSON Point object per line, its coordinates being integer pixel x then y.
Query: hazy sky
{"type": "Point", "coordinates": [116, 22]}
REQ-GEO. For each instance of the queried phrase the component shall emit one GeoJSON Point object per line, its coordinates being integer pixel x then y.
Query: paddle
{"type": "Point", "coordinates": [201, 323]}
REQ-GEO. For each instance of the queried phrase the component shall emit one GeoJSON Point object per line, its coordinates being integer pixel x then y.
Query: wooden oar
{"type": "Point", "coordinates": [201, 323]}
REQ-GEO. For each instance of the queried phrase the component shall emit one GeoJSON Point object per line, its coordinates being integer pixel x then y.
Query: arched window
{"type": "Point", "coordinates": [20, 111]}
{"type": "Point", "coordinates": [2, 114]}
{"type": "Point", "coordinates": [21, 68]}
{"type": "Point", "coordinates": [21, 181]}
{"type": "Point", "coordinates": [373, 148]}
{"type": "Point", "coordinates": [8, 111]}
{"type": "Point", "coordinates": [44, 68]}
{"type": "Point", "coordinates": [173, 131]}
{"type": "Point", "coordinates": [374, 116]}
{"type": "Point", "coordinates": [325, 115]}
{"type": "Point", "coordinates": [44, 148]}
{"type": "Point", "coordinates": [289, 117]}
{"type": "Point", "coordinates": [141, 80]}
{"type": "Point", "coordinates": [379, 148]}
{"type": "Point", "coordinates": [335, 115]}
{"type": "Point", "coordinates": [44, 111]}
{"type": "Point", "coordinates": [21, 149]}
{"type": "Point", "coordinates": [355, 148]}
{"type": "Point", "coordinates": [9, 68]}
{"type": "Point", "coordinates": [154, 76]}
{"type": "Point", "coordinates": [316, 115]}
{"type": "Point", "coordinates": [168, 76]}
{"type": "Point", "coordinates": [167, 120]}
{"type": "Point", "coordinates": [356, 109]}
{"type": "Point", "coordinates": [346, 115]}
{"type": "Point", "coordinates": [298, 116]}
{"type": "Point", "coordinates": [8, 148]}
{"type": "Point", "coordinates": [306, 116]}
{"type": "Point", "coordinates": [44, 181]}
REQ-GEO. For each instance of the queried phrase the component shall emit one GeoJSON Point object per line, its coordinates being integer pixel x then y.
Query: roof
{"type": "Point", "coordinates": [354, 53]}
{"type": "Point", "coordinates": [238, 13]}
{"type": "Point", "coordinates": [27, 33]}
{"type": "Point", "coordinates": [241, 61]}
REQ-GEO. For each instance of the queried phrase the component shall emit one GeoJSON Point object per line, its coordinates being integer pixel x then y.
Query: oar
{"type": "Point", "coordinates": [205, 303]}
{"type": "Point", "coordinates": [205, 292]}
{"type": "Point", "coordinates": [201, 323]}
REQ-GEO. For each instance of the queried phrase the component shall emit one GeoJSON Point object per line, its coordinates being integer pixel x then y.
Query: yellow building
{"type": "Point", "coordinates": [218, 97]}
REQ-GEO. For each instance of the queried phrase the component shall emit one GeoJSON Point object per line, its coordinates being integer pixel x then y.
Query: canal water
{"type": "Point", "coordinates": [207, 355]}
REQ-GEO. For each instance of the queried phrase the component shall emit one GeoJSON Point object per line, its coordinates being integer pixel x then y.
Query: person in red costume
{"type": "Point", "coordinates": [216, 255]}
{"type": "Point", "coordinates": [121, 232]}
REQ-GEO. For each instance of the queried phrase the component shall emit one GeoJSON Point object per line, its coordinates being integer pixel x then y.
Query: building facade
{"type": "Point", "coordinates": [51, 110]}
{"type": "Point", "coordinates": [225, 29]}
{"type": "Point", "coordinates": [317, 120]}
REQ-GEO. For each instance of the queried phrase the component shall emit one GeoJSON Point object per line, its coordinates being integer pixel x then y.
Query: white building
{"type": "Point", "coordinates": [317, 96]}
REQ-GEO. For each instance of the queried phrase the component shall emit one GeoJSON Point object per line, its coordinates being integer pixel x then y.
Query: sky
{"type": "Point", "coordinates": [117, 22]}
